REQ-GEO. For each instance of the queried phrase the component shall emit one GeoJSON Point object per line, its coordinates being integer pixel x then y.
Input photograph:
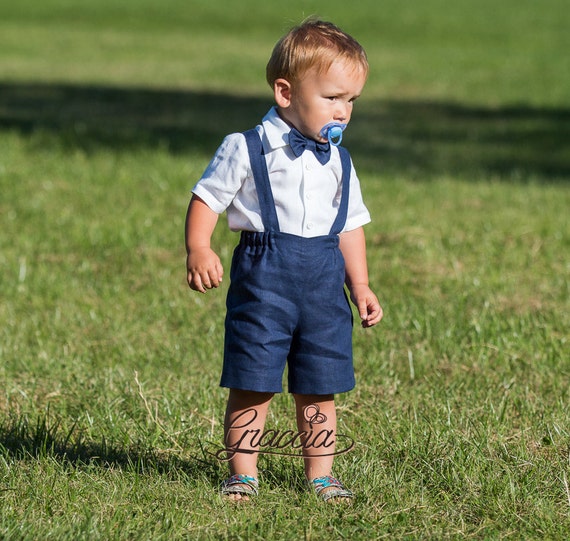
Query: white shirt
{"type": "Point", "coordinates": [306, 193]}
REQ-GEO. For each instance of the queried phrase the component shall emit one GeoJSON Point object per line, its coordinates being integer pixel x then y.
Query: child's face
{"type": "Point", "coordinates": [320, 98]}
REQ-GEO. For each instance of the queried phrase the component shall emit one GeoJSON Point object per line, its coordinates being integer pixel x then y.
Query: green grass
{"type": "Point", "coordinates": [110, 408]}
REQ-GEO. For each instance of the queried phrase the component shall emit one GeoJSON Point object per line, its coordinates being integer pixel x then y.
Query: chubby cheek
{"type": "Point", "coordinates": [327, 113]}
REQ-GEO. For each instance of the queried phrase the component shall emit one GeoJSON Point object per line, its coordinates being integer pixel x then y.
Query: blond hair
{"type": "Point", "coordinates": [313, 44]}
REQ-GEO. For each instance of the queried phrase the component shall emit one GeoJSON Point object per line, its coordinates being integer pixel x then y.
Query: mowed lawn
{"type": "Point", "coordinates": [110, 410]}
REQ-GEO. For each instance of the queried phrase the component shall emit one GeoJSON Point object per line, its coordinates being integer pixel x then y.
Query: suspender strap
{"type": "Point", "coordinates": [263, 186]}
{"type": "Point", "coordinates": [340, 220]}
{"type": "Point", "coordinates": [261, 178]}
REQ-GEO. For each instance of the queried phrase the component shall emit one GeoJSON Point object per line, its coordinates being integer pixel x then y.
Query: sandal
{"type": "Point", "coordinates": [245, 485]}
{"type": "Point", "coordinates": [335, 488]}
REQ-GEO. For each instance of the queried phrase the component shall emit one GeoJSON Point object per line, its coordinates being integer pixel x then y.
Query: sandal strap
{"type": "Point", "coordinates": [240, 484]}
{"type": "Point", "coordinates": [336, 488]}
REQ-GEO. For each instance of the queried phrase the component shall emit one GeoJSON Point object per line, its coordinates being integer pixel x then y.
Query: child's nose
{"type": "Point", "coordinates": [341, 113]}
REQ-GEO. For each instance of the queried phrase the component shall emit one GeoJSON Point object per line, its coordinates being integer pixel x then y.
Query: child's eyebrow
{"type": "Point", "coordinates": [346, 95]}
{"type": "Point", "coordinates": [341, 92]}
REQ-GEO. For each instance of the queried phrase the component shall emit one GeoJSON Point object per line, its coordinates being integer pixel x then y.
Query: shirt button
{"type": "Point", "coordinates": [310, 225]}
{"type": "Point", "coordinates": [308, 196]}
{"type": "Point", "coordinates": [307, 167]}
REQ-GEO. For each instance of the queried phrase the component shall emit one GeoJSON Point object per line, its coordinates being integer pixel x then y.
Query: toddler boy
{"type": "Point", "coordinates": [296, 199]}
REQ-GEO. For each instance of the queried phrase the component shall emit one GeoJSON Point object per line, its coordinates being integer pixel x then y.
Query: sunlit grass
{"type": "Point", "coordinates": [110, 409]}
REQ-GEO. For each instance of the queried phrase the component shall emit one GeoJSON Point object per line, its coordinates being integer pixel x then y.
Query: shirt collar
{"type": "Point", "coordinates": [276, 131]}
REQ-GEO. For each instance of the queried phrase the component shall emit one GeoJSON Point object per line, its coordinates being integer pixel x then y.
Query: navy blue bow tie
{"type": "Point", "coordinates": [299, 143]}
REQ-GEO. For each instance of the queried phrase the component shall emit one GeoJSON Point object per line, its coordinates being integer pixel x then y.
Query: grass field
{"type": "Point", "coordinates": [110, 408]}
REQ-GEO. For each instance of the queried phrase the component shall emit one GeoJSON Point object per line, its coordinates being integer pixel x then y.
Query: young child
{"type": "Point", "coordinates": [296, 200]}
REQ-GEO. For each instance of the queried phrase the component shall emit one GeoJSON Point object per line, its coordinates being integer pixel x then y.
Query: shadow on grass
{"type": "Point", "coordinates": [22, 439]}
{"type": "Point", "coordinates": [417, 139]}
{"type": "Point", "coordinates": [43, 439]}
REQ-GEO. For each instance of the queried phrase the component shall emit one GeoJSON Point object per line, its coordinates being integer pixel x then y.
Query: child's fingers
{"type": "Point", "coordinates": [203, 276]}
{"type": "Point", "coordinates": [195, 282]}
{"type": "Point", "coordinates": [204, 269]}
{"type": "Point", "coordinates": [209, 279]}
{"type": "Point", "coordinates": [363, 310]}
{"type": "Point", "coordinates": [370, 312]}
{"type": "Point", "coordinates": [375, 315]}
{"type": "Point", "coordinates": [220, 271]}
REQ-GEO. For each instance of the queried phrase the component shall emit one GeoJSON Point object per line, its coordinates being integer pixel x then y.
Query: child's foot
{"type": "Point", "coordinates": [330, 489]}
{"type": "Point", "coordinates": [240, 487]}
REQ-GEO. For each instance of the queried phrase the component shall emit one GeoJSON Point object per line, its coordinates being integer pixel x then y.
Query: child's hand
{"type": "Point", "coordinates": [205, 270]}
{"type": "Point", "coordinates": [367, 304]}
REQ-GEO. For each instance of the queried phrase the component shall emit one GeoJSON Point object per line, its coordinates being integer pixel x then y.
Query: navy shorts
{"type": "Point", "coordinates": [286, 305]}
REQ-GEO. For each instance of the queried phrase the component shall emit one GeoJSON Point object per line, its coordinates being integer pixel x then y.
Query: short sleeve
{"type": "Point", "coordinates": [225, 174]}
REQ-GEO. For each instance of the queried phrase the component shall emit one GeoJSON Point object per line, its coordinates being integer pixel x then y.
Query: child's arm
{"type": "Point", "coordinates": [204, 268]}
{"type": "Point", "coordinates": [353, 247]}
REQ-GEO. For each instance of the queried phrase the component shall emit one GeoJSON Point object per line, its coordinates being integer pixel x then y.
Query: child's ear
{"type": "Point", "coordinates": [282, 91]}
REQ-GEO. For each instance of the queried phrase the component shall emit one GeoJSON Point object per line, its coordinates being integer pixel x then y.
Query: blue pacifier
{"type": "Point", "coordinates": [333, 132]}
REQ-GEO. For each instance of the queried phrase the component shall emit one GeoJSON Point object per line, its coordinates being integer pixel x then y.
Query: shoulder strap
{"type": "Point", "coordinates": [342, 214]}
{"type": "Point", "coordinates": [261, 178]}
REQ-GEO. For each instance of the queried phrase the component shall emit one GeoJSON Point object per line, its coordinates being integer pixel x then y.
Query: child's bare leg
{"type": "Point", "coordinates": [316, 415]}
{"type": "Point", "coordinates": [243, 425]}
